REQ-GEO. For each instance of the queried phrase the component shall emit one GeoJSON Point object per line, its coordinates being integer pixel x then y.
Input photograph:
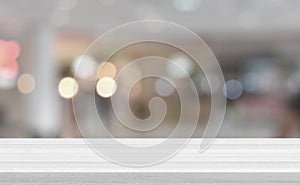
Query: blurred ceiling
{"type": "Point", "coordinates": [202, 15]}
{"type": "Point", "coordinates": [220, 21]}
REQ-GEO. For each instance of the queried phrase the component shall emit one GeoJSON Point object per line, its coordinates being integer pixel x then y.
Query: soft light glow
{"type": "Point", "coordinates": [233, 89]}
{"type": "Point", "coordinates": [164, 88]}
{"type": "Point", "coordinates": [187, 5]}
{"type": "Point", "coordinates": [7, 83]}
{"type": "Point", "coordinates": [180, 67]}
{"type": "Point", "coordinates": [106, 87]}
{"type": "Point", "coordinates": [9, 52]}
{"type": "Point", "coordinates": [84, 66]}
{"type": "Point", "coordinates": [26, 83]}
{"type": "Point", "coordinates": [68, 87]}
{"type": "Point", "coordinates": [107, 69]}
{"type": "Point", "coordinates": [250, 82]}
{"type": "Point", "coordinates": [9, 70]}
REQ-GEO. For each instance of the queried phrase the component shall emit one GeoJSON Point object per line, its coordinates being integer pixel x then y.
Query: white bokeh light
{"type": "Point", "coordinates": [180, 67]}
{"type": "Point", "coordinates": [84, 66]}
{"type": "Point", "coordinates": [68, 87]}
{"type": "Point", "coordinates": [106, 87]}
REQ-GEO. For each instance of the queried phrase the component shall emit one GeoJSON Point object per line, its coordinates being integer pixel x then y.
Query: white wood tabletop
{"type": "Point", "coordinates": [263, 161]}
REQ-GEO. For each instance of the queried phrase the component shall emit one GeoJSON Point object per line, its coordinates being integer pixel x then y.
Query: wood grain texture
{"type": "Point", "coordinates": [227, 161]}
{"type": "Point", "coordinates": [149, 178]}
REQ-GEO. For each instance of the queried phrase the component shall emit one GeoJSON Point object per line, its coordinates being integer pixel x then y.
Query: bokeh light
{"type": "Point", "coordinates": [68, 87]}
{"type": "Point", "coordinates": [84, 66]}
{"type": "Point", "coordinates": [187, 5]}
{"type": "Point", "coordinates": [9, 51]}
{"type": "Point", "coordinates": [9, 70]}
{"type": "Point", "coordinates": [26, 83]}
{"type": "Point", "coordinates": [180, 67]}
{"type": "Point", "coordinates": [106, 69]}
{"type": "Point", "coordinates": [41, 43]}
{"type": "Point", "coordinates": [233, 89]}
{"type": "Point", "coordinates": [106, 87]}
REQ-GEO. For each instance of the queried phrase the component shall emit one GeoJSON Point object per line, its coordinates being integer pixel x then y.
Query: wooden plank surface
{"type": "Point", "coordinates": [227, 161]}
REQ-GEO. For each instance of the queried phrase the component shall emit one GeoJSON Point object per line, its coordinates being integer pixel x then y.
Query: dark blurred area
{"type": "Point", "coordinates": [257, 43]}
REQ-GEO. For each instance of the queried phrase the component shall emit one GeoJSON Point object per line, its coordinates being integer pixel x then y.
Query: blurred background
{"type": "Point", "coordinates": [257, 43]}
